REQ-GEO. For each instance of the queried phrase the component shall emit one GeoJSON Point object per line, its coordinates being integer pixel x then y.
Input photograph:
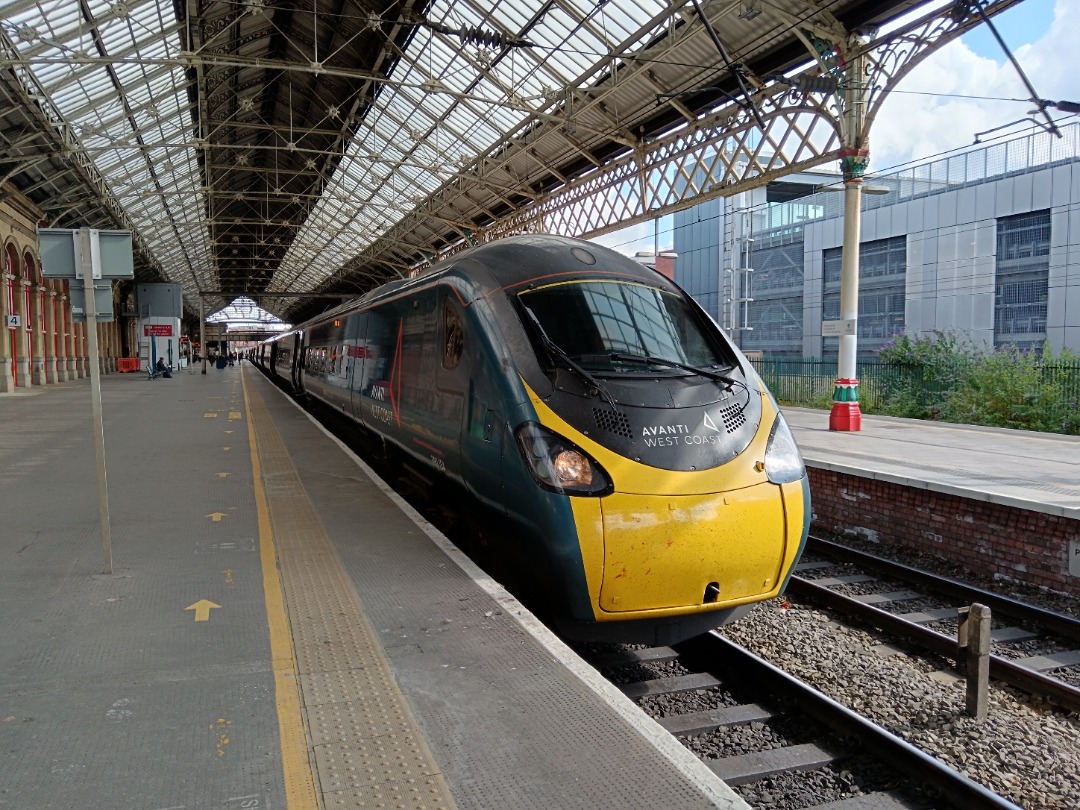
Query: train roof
{"type": "Point", "coordinates": [511, 262]}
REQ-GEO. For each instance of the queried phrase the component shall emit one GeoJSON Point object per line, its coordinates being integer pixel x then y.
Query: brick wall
{"type": "Point", "coordinates": [988, 538]}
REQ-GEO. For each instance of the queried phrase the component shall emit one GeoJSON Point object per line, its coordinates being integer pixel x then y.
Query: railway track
{"type": "Point", "coordinates": [776, 740]}
{"type": "Point", "coordinates": [904, 602]}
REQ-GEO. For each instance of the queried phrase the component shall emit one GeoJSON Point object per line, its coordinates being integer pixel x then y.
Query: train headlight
{"type": "Point", "coordinates": [558, 464]}
{"type": "Point", "coordinates": [572, 468]}
{"type": "Point", "coordinates": [783, 462]}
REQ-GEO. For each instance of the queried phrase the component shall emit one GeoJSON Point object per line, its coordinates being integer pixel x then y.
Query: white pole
{"type": "Point", "coordinates": [854, 156]}
{"type": "Point", "coordinates": [846, 414]}
{"type": "Point", "coordinates": [87, 264]}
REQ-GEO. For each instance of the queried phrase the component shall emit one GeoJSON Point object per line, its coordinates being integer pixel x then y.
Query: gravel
{"type": "Point", "coordinates": [1025, 750]}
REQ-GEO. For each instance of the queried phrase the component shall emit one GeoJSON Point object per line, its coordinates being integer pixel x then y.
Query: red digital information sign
{"type": "Point", "coordinates": [157, 330]}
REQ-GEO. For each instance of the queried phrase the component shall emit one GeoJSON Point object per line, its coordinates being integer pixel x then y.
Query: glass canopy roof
{"type": "Point", "coordinates": [119, 76]}
{"type": "Point", "coordinates": [116, 83]}
{"type": "Point", "coordinates": [279, 148]}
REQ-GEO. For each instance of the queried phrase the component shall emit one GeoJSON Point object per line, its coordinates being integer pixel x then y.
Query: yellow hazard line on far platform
{"type": "Point", "coordinates": [299, 780]}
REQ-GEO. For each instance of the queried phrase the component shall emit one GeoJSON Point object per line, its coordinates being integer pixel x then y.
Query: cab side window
{"type": "Point", "coordinates": [453, 335]}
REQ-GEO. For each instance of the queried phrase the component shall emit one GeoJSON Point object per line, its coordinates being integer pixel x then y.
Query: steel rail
{"type": "Point", "coordinates": [1002, 669]}
{"type": "Point", "coordinates": [900, 754]}
{"type": "Point", "coordinates": [1058, 623]}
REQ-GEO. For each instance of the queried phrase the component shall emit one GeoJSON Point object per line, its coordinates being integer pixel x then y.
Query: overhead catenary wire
{"type": "Point", "coordinates": [962, 8]}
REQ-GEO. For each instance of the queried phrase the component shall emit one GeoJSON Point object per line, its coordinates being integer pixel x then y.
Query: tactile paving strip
{"type": "Point", "coordinates": [367, 750]}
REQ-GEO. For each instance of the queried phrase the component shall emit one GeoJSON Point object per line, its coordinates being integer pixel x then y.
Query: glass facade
{"type": "Point", "coordinates": [882, 279]}
{"type": "Point", "coordinates": [776, 313]}
{"type": "Point", "coordinates": [1022, 279]}
{"type": "Point", "coordinates": [975, 244]}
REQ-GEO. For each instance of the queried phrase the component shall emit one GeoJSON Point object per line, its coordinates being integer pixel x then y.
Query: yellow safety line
{"type": "Point", "coordinates": [296, 763]}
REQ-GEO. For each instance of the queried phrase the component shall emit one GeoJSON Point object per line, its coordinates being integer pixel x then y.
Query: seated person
{"type": "Point", "coordinates": [163, 369]}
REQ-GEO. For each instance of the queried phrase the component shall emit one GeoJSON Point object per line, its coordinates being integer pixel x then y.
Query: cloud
{"type": "Point", "coordinates": [912, 126]}
{"type": "Point", "coordinates": [1049, 61]}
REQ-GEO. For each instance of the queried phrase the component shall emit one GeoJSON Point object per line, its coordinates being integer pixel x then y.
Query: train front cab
{"type": "Point", "coordinates": [676, 545]}
{"type": "Point", "coordinates": [673, 555]}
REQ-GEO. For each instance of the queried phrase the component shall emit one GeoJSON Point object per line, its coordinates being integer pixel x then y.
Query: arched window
{"type": "Point", "coordinates": [28, 291]}
{"type": "Point", "coordinates": [11, 264]}
{"type": "Point", "coordinates": [33, 275]}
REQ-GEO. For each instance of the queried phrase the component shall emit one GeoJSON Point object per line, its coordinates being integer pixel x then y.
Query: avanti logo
{"type": "Point", "coordinates": [664, 430]}
{"type": "Point", "coordinates": [663, 435]}
{"type": "Point", "coordinates": [676, 435]}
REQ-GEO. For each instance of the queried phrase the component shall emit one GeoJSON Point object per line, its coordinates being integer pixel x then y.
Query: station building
{"type": "Point", "coordinates": [41, 342]}
{"type": "Point", "coordinates": [44, 341]}
{"type": "Point", "coordinates": [985, 243]}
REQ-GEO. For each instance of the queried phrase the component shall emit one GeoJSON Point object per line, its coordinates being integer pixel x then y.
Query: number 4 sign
{"type": "Point", "coordinates": [12, 321]}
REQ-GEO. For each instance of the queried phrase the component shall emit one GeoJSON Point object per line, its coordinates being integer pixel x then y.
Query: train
{"type": "Point", "coordinates": [620, 463]}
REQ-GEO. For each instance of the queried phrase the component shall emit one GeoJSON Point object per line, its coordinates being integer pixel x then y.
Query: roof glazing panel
{"type": "Point", "coordinates": [465, 98]}
{"type": "Point", "coordinates": [102, 67]}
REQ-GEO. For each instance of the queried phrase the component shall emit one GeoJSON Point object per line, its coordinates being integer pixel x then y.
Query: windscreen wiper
{"type": "Point", "coordinates": [557, 350]}
{"type": "Point", "coordinates": [661, 361]}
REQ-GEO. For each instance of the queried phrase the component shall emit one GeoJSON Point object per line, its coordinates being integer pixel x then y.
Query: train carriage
{"type": "Point", "coordinates": [634, 478]}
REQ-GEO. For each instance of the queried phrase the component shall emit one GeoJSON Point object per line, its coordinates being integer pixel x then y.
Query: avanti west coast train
{"type": "Point", "coordinates": [632, 474]}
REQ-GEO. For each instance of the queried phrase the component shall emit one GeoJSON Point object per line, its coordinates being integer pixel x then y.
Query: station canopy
{"type": "Point", "coordinates": [271, 149]}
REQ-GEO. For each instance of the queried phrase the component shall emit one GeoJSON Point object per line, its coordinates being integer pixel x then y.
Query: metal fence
{"type": "Point", "coordinates": [810, 381]}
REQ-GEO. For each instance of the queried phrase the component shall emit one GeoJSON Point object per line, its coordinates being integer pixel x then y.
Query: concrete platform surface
{"type": "Point", "coordinates": [1037, 471]}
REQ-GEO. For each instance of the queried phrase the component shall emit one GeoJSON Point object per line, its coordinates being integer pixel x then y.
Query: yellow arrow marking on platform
{"type": "Point", "coordinates": [226, 449]}
{"type": "Point", "coordinates": [209, 415]}
{"type": "Point", "coordinates": [222, 475]}
{"type": "Point", "coordinates": [202, 609]}
{"type": "Point", "coordinates": [228, 576]}
{"type": "Point", "coordinates": [230, 432]}
{"type": "Point", "coordinates": [216, 516]}
{"type": "Point", "coordinates": [235, 415]}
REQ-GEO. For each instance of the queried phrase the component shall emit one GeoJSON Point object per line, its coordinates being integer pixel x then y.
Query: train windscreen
{"type": "Point", "coordinates": [602, 324]}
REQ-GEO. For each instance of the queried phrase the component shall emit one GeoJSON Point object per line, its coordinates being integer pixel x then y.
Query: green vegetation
{"type": "Point", "coordinates": [944, 377]}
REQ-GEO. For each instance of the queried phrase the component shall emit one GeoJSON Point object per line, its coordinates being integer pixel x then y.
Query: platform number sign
{"type": "Point", "coordinates": [1074, 558]}
{"type": "Point", "coordinates": [11, 321]}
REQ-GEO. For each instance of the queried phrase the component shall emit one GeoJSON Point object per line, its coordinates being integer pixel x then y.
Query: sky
{"type": "Point", "coordinates": [927, 113]}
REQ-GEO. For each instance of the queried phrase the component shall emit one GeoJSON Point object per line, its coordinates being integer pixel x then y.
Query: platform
{"type": "Point", "coordinates": [1016, 468]}
{"type": "Point", "coordinates": [278, 629]}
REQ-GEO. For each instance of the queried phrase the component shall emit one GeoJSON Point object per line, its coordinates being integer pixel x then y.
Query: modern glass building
{"type": "Point", "coordinates": [984, 243]}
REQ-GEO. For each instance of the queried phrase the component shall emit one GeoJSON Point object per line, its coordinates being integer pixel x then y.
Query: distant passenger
{"type": "Point", "coordinates": [163, 369]}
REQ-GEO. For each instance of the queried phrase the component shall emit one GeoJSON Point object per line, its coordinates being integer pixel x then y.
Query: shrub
{"type": "Point", "coordinates": [947, 377]}
{"type": "Point", "coordinates": [942, 376]}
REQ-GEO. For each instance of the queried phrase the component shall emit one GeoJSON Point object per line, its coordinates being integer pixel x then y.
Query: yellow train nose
{"type": "Point", "coordinates": [681, 551]}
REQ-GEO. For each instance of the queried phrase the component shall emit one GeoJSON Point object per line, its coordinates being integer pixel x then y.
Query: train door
{"type": "Point", "coordinates": [483, 429]}
{"type": "Point", "coordinates": [356, 352]}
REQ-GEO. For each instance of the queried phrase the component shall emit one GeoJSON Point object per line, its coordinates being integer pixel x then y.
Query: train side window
{"type": "Point", "coordinates": [453, 338]}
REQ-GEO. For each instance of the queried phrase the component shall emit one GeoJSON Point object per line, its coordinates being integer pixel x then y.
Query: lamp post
{"type": "Point", "coordinates": [845, 413]}
{"type": "Point", "coordinates": [854, 154]}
